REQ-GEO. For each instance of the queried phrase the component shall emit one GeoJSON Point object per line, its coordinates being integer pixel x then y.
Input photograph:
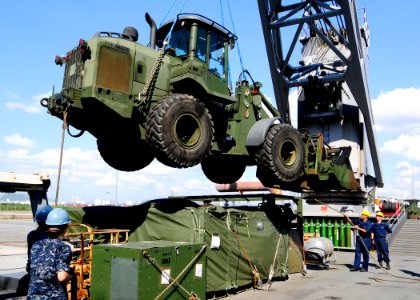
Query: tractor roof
{"type": "Point", "coordinates": [202, 21]}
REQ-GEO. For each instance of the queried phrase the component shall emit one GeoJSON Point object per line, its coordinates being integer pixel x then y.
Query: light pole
{"type": "Point", "coordinates": [116, 187]}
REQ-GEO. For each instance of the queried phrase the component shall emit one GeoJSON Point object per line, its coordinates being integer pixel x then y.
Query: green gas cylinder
{"type": "Point", "coordinates": [323, 228]}
{"type": "Point", "coordinates": [305, 226]}
{"type": "Point", "coordinates": [348, 235]}
{"type": "Point", "coordinates": [336, 232]}
{"type": "Point", "coordinates": [330, 230]}
{"type": "Point", "coordinates": [311, 226]}
{"type": "Point", "coordinates": [342, 234]}
{"type": "Point", "coordinates": [317, 228]}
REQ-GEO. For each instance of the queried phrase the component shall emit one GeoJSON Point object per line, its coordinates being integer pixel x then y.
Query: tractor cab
{"type": "Point", "coordinates": [195, 37]}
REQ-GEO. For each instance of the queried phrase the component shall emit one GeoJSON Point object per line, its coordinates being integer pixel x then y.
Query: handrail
{"type": "Point", "coordinates": [396, 221]}
{"type": "Point", "coordinates": [396, 216]}
{"type": "Point", "coordinates": [82, 256]}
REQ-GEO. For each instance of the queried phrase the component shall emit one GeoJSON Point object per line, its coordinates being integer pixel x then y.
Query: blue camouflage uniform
{"type": "Point", "coordinates": [47, 258]}
{"type": "Point", "coordinates": [379, 231]}
{"type": "Point", "coordinates": [36, 235]}
{"type": "Point", "coordinates": [363, 244]}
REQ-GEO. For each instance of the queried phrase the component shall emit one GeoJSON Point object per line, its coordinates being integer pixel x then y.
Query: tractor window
{"type": "Point", "coordinates": [217, 55]}
{"type": "Point", "coordinates": [180, 41]}
{"type": "Point", "coordinates": [202, 44]}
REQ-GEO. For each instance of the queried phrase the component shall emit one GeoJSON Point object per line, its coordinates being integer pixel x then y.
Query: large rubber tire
{"type": "Point", "coordinates": [125, 155]}
{"type": "Point", "coordinates": [181, 129]}
{"type": "Point", "coordinates": [282, 153]}
{"type": "Point", "coordinates": [223, 169]}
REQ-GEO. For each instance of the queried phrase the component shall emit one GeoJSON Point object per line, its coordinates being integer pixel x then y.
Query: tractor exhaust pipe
{"type": "Point", "coordinates": [153, 29]}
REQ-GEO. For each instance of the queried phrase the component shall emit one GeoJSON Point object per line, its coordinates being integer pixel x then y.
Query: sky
{"type": "Point", "coordinates": [34, 32]}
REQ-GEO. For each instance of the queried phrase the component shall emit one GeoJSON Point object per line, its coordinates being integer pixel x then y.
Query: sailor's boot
{"type": "Point", "coordinates": [379, 265]}
{"type": "Point", "coordinates": [388, 267]}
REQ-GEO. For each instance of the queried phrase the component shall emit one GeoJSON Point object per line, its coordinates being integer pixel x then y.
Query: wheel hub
{"type": "Point", "coordinates": [187, 130]}
{"type": "Point", "coordinates": [288, 154]}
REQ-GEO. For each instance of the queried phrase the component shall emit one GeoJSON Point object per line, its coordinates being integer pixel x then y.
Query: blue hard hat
{"type": "Point", "coordinates": [58, 216]}
{"type": "Point", "coordinates": [42, 213]}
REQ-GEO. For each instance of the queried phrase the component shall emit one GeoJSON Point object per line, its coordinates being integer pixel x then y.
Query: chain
{"type": "Point", "coordinates": [146, 89]}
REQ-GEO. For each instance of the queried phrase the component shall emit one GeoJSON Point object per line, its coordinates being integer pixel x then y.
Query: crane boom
{"type": "Point", "coordinates": [330, 74]}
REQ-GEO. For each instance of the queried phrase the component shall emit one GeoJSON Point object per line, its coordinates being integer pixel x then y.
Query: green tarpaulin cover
{"type": "Point", "coordinates": [252, 239]}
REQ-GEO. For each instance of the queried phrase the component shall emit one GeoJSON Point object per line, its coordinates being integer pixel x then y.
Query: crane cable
{"type": "Point", "coordinates": [409, 280]}
{"type": "Point", "coordinates": [223, 23]}
{"type": "Point", "coordinates": [145, 94]}
{"type": "Point", "coordinates": [167, 12]}
{"type": "Point", "coordinates": [234, 32]}
{"type": "Point", "coordinates": [60, 164]}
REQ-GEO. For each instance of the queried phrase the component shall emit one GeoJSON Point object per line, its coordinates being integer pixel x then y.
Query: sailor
{"type": "Point", "coordinates": [49, 260]}
{"type": "Point", "coordinates": [40, 232]}
{"type": "Point", "coordinates": [379, 232]}
{"type": "Point", "coordinates": [37, 234]}
{"type": "Point", "coordinates": [363, 244]}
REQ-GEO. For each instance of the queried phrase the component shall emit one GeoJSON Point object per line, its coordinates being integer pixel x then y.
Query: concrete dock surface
{"type": "Point", "coordinates": [337, 282]}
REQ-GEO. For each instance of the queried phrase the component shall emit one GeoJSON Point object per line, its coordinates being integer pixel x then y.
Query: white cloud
{"type": "Point", "coordinates": [249, 174]}
{"type": "Point", "coordinates": [29, 108]}
{"type": "Point", "coordinates": [403, 185]}
{"type": "Point", "coordinates": [402, 175]}
{"type": "Point", "coordinates": [397, 111]}
{"type": "Point", "coordinates": [18, 154]}
{"type": "Point", "coordinates": [198, 185]}
{"type": "Point", "coordinates": [293, 96]}
{"type": "Point", "coordinates": [135, 179]}
{"type": "Point", "coordinates": [87, 159]}
{"type": "Point", "coordinates": [33, 107]}
{"type": "Point", "coordinates": [84, 171]}
{"type": "Point", "coordinates": [393, 192]}
{"type": "Point", "coordinates": [405, 146]}
{"type": "Point", "coordinates": [38, 98]}
{"type": "Point", "coordinates": [397, 119]}
{"type": "Point", "coordinates": [157, 168]}
{"type": "Point", "coordinates": [106, 179]}
{"type": "Point", "coordinates": [403, 165]}
{"type": "Point", "coordinates": [19, 140]}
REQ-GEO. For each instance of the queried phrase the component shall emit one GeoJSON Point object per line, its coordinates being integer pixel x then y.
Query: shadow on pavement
{"type": "Point", "coordinates": [410, 273]}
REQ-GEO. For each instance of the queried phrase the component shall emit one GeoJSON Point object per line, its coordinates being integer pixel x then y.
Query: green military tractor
{"type": "Point", "coordinates": [171, 100]}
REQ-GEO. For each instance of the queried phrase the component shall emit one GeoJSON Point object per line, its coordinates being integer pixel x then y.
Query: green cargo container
{"type": "Point", "coordinates": [145, 270]}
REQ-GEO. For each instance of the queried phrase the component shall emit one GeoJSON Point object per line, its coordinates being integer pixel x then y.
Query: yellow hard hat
{"type": "Point", "coordinates": [366, 212]}
{"type": "Point", "coordinates": [379, 213]}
